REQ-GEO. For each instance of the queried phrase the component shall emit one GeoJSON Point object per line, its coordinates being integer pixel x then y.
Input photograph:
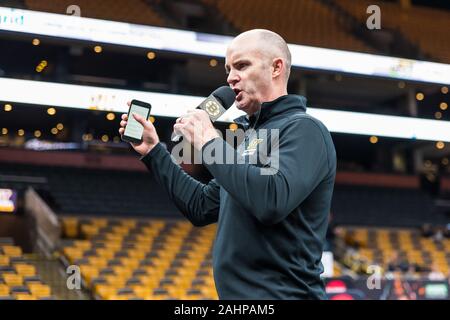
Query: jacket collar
{"type": "Point", "coordinates": [272, 108]}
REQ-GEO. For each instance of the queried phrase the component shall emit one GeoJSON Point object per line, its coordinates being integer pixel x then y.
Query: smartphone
{"type": "Point", "coordinates": [133, 130]}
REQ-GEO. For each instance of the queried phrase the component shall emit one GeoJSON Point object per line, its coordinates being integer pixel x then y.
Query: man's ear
{"type": "Point", "coordinates": [277, 66]}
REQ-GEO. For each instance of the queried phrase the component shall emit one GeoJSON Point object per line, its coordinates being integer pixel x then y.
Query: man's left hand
{"type": "Point", "coordinates": [196, 128]}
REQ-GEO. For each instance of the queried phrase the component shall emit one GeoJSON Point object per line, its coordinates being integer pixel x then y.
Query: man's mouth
{"type": "Point", "coordinates": [238, 93]}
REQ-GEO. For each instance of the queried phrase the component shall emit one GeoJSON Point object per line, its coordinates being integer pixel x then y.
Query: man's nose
{"type": "Point", "coordinates": [232, 78]}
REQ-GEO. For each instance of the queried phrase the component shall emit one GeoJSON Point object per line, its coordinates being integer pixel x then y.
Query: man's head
{"type": "Point", "coordinates": [258, 64]}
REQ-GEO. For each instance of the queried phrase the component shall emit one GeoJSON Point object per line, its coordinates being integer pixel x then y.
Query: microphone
{"type": "Point", "coordinates": [215, 105]}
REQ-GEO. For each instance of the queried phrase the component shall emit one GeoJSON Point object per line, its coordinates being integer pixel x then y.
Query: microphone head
{"type": "Point", "coordinates": [225, 95]}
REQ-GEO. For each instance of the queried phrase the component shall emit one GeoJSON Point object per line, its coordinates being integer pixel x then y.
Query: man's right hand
{"type": "Point", "coordinates": [149, 137]}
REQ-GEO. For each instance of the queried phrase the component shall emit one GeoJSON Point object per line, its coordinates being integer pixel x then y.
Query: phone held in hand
{"type": "Point", "coordinates": [134, 130]}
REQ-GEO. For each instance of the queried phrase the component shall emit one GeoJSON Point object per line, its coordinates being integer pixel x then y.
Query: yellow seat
{"type": "Point", "coordinates": [25, 270]}
{"type": "Point", "coordinates": [99, 222]}
{"type": "Point", "coordinates": [12, 251]}
{"type": "Point", "coordinates": [13, 279]}
{"type": "Point", "coordinates": [89, 272]}
{"type": "Point", "coordinates": [130, 223]}
{"type": "Point", "coordinates": [4, 290]}
{"type": "Point", "coordinates": [24, 296]}
{"type": "Point", "coordinates": [105, 292]}
{"type": "Point", "coordinates": [89, 230]}
{"type": "Point", "coordinates": [121, 230]}
{"type": "Point", "coordinates": [83, 244]}
{"type": "Point", "coordinates": [105, 253]}
{"type": "Point", "coordinates": [70, 227]}
{"type": "Point", "coordinates": [40, 290]}
{"type": "Point", "coordinates": [98, 262]}
{"type": "Point", "coordinates": [4, 260]}
{"type": "Point", "coordinates": [114, 237]}
{"type": "Point", "coordinates": [142, 291]}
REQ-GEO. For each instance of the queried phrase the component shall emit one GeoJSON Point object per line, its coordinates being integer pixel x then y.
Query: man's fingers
{"type": "Point", "coordinates": [129, 103]}
{"type": "Point", "coordinates": [123, 123]}
{"type": "Point", "coordinates": [124, 117]}
{"type": "Point", "coordinates": [178, 128]}
{"type": "Point", "coordinates": [121, 131]}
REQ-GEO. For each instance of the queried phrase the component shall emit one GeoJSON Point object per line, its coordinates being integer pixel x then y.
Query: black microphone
{"type": "Point", "coordinates": [215, 105]}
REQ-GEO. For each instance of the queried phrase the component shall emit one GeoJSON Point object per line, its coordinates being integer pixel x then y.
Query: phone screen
{"type": "Point", "coordinates": [134, 129]}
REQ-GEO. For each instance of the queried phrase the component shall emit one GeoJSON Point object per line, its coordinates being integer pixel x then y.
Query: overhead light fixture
{"type": "Point", "coordinates": [36, 42]}
{"type": "Point", "coordinates": [59, 126]}
{"type": "Point", "coordinates": [151, 55]}
{"type": "Point", "coordinates": [213, 63]}
{"type": "Point", "coordinates": [444, 90]}
{"type": "Point", "coordinates": [54, 131]}
{"type": "Point", "coordinates": [438, 115]}
{"type": "Point", "coordinates": [440, 145]}
{"type": "Point", "coordinates": [51, 111]}
{"type": "Point", "coordinates": [105, 138]}
{"type": "Point", "coordinates": [373, 139]}
{"type": "Point", "coordinates": [4, 131]}
{"type": "Point", "coordinates": [87, 137]}
{"type": "Point", "coordinates": [420, 96]}
{"type": "Point", "coordinates": [20, 132]}
{"type": "Point", "coordinates": [8, 107]}
{"type": "Point", "coordinates": [152, 119]}
{"type": "Point", "coordinates": [443, 106]}
{"type": "Point", "coordinates": [98, 49]}
{"type": "Point", "coordinates": [110, 116]}
{"type": "Point", "coordinates": [37, 133]}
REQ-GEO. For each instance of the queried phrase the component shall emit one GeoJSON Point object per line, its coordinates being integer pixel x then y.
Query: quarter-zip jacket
{"type": "Point", "coordinates": [271, 227]}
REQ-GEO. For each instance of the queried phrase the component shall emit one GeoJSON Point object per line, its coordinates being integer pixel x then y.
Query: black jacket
{"type": "Point", "coordinates": [271, 227]}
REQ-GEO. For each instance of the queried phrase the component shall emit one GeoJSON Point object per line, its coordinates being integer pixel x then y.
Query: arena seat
{"type": "Point", "coordinates": [141, 259]}
{"type": "Point", "coordinates": [379, 245]}
{"type": "Point", "coordinates": [19, 278]}
{"type": "Point", "coordinates": [425, 26]}
{"type": "Point", "coordinates": [302, 22]}
{"type": "Point", "coordinates": [132, 11]}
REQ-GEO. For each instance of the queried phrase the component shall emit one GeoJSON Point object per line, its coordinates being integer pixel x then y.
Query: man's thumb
{"type": "Point", "coordinates": [140, 119]}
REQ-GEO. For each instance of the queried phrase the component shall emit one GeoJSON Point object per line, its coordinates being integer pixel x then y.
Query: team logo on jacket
{"type": "Point", "coordinates": [251, 148]}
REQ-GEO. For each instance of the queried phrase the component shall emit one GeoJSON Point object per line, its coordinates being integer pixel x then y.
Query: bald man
{"type": "Point", "coordinates": [271, 224]}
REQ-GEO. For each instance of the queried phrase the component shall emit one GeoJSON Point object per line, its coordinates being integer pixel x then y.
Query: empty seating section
{"type": "Point", "coordinates": [91, 191]}
{"type": "Point", "coordinates": [379, 246]}
{"type": "Point", "coordinates": [141, 259]}
{"type": "Point", "coordinates": [19, 279]}
{"type": "Point", "coordinates": [424, 26]}
{"type": "Point", "coordinates": [132, 11]}
{"type": "Point", "coordinates": [303, 22]}
{"type": "Point", "coordinates": [382, 206]}
{"type": "Point", "coordinates": [308, 22]}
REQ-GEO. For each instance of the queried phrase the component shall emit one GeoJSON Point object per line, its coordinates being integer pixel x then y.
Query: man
{"type": "Point", "coordinates": [271, 228]}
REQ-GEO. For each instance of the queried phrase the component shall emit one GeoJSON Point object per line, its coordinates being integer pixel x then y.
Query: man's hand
{"type": "Point", "coordinates": [149, 137]}
{"type": "Point", "coordinates": [196, 128]}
